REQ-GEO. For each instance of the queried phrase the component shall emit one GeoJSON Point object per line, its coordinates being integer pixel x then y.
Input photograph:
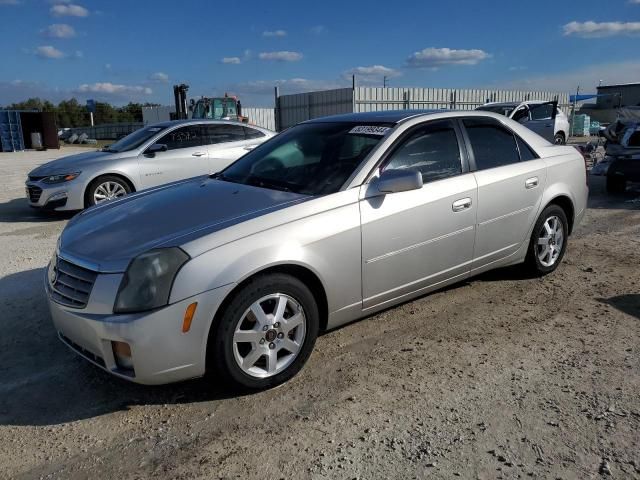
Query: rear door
{"type": "Point", "coordinates": [226, 143]}
{"type": "Point", "coordinates": [185, 157]}
{"type": "Point", "coordinates": [511, 181]}
{"type": "Point", "coordinates": [416, 239]}
{"type": "Point", "coordinates": [542, 118]}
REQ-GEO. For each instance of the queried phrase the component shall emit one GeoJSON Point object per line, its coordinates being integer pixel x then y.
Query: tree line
{"type": "Point", "coordinates": [71, 113]}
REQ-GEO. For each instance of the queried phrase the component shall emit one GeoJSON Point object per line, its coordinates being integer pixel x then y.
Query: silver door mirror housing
{"type": "Point", "coordinates": [402, 180]}
{"type": "Point", "coordinates": [155, 148]}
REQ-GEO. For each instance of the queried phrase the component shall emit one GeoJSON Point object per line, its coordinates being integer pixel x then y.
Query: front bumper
{"type": "Point", "coordinates": [161, 353]}
{"type": "Point", "coordinates": [59, 197]}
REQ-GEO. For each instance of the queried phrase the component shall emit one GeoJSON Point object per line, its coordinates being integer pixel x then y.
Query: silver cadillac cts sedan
{"type": "Point", "coordinates": [330, 221]}
{"type": "Point", "coordinates": [154, 155]}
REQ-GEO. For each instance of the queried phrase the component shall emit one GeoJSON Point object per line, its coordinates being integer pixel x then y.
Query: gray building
{"type": "Point", "coordinates": [620, 95]}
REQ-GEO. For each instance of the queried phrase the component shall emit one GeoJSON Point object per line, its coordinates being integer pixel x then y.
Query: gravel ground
{"type": "Point", "coordinates": [502, 376]}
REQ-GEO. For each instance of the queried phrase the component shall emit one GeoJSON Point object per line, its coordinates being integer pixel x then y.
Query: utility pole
{"type": "Point", "coordinates": [573, 115]}
{"type": "Point", "coordinates": [384, 81]}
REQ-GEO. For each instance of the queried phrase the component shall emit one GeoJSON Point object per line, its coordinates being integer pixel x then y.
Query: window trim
{"type": "Point", "coordinates": [464, 159]}
{"type": "Point", "coordinates": [471, 156]}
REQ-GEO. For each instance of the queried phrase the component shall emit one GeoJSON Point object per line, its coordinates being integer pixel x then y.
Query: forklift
{"type": "Point", "coordinates": [215, 108]}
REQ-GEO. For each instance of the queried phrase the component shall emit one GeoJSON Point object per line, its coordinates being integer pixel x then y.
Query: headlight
{"type": "Point", "coordinates": [60, 178]}
{"type": "Point", "coordinates": [148, 280]}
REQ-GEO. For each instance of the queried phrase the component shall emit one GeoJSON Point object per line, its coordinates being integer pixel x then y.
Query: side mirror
{"type": "Point", "coordinates": [155, 148]}
{"type": "Point", "coordinates": [394, 181]}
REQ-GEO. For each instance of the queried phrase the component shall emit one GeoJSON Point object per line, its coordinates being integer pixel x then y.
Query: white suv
{"type": "Point", "coordinates": [544, 118]}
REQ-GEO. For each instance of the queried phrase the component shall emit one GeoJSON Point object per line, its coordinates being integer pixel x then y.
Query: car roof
{"type": "Point", "coordinates": [194, 121]}
{"type": "Point", "coordinates": [386, 116]}
{"type": "Point", "coordinates": [513, 104]}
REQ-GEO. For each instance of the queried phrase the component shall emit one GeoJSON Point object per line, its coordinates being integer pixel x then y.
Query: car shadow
{"type": "Point", "coordinates": [19, 211]}
{"type": "Point", "coordinates": [627, 303]}
{"type": "Point", "coordinates": [42, 382]}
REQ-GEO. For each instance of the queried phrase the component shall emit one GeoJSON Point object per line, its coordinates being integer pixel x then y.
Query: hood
{"type": "Point", "coordinates": [108, 236]}
{"type": "Point", "coordinates": [72, 163]}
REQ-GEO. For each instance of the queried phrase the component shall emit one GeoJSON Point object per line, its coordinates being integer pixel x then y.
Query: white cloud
{"type": "Point", "coordinates": [231, 60]}
{"type": "Point", "coordinates": [517, 68]}
{"type": "Point", "coordinates": [634, 2]}
{"type": "Point", "coordinates": [78, 54]}
{"type": "Point", "coordinates": [274, 33]}
{"type": "Point", "coordinates": [159, 77]}
{"type": "Point", "coordinates": [59, 30]}
{"type": "Point", "coordinates": [9, 2]}
{"type": "Point", "coordinates": [587, 77]}
{"type": "Point", "coordinates": [372, 74]}
{"type": "Point", "coordinates": [48, 51]}
{"type": "Point", "coordinates": [318, 29]}
{"type": "Point", "coordinates": [601, 29]}
{"type": "Point", "coordinates": [438, 57]}
{"type": "Point", "coordinates": [283, 56]}
{"type": "Point", "coordinates": [113, 89]}
{"type": "Point", "coordinates": [68, 10]}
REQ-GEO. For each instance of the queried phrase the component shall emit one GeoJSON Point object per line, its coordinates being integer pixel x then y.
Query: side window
{"type": "Point", "coordinates": [432, 150]}
{"type": "Point", "coordinates": [492, 144]}
{"type": "Point", "coordinates": [543, 111]}
{"type": "Point", "coordinates": [183, 137]}
{"type": "Point", "coordinates": [252, 133]}
{"type": "Point", "coordinates": [525, 151]}
{"type": "Point", "coordinates": [223, 133]}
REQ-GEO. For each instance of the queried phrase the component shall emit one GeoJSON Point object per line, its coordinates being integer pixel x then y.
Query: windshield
{"type": "Point", "coordinates": [312, 159]}
{"type": "Point", "coordinates": [134, 140]}
{"type": "Point", "coordinates": [501, 109]}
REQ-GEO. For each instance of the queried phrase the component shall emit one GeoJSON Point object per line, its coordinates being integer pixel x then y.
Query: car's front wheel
{"type": "Point", "coordinates": [616, 184]}
{"type": "Point", "coordinates": [107, 187]}
{"type": "Point", "coordinates": [266, 332]}
{"type": "Point", "coordinates": [559, 138]}
{"type": "Point", "coordinates": [548, 240]}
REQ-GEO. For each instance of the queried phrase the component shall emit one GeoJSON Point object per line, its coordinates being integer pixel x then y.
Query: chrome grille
{"type": "Point", "coordinates": [71, 285]}
{"type": "Point", "coordinates": [34, 193]}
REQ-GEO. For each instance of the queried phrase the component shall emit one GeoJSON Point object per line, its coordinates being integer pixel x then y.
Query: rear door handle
{"type": "Point", "coordinates": [198, 154]}
{"type": "Point", "coordinates": [461, 204]}
{"type": "Point", "coordinates": [531, 182]}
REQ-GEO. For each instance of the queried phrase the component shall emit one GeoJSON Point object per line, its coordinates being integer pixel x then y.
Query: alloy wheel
{"type": "Point", "coordinates": [108, 191]}
{"type": "Point", "coordinates": [269, 335]}
{"type": "Point", "coordinates": [550, 241]}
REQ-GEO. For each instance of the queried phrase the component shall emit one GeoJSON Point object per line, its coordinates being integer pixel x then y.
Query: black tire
{"type": "Point", "coordinates": [559, 138]}
{"type": "Point", "coordinates": [89, 199]}
{"type": "Point", "coordinates": [533, 262]}
{"type": "Point", "coordinates": [616, 184]}
{"type": "Point", "coordinates": [220, 345]}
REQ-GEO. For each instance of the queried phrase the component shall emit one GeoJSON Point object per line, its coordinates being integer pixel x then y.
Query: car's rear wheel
{"type": "Point", "coordinates": [616, 184]}
{"type": "Point", "coordinates": [559, 138]}
{"type": "Point", "coordinates": [548, 240]}
{"type": "Point", "coordinates": [266, 332]}
{"type": "Point", "coordinates": [107, 187]}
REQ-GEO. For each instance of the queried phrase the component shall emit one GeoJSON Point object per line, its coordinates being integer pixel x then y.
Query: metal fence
{"type": "Point", "coordinates": [292, 109]}
{"type": "Point", "coordinates": [262, 117]}
{"type": "Point", "coordinates": [107, 131]}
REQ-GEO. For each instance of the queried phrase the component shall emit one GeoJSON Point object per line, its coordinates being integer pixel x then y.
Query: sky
{"type": "Point", "coordinates": [124, 50]}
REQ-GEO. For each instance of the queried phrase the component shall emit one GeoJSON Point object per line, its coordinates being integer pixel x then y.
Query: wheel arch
{"type": "Point", "coordinates": [120, 175]}
{"type": "Point", "coordinates": [296, 270]}
{"type": "Point", "coordinates": [564, 202]}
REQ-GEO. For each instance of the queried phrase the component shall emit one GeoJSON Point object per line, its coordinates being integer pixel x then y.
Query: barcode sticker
{"type": "Point", "coordinates": [370, 130]}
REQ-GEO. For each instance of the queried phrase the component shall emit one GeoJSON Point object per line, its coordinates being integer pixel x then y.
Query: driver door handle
{"type": "Point", "coordinates": [531, 182]}
{"type": "Point", "coordinates": [462, 204]}
{"type": "Point", "coordinates": [198, 154]}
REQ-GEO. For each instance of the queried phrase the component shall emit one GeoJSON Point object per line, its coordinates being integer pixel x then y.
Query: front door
{"type": "Point", "coordinates": [185, 157]}
{"type": "Point", "coordinates": [541, 118]}
{"type": "Point", "coordinates": [417, 239]}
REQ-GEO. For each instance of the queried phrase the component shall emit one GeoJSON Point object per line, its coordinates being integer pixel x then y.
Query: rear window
{"type": "Point", "coordinates": [492, 144]}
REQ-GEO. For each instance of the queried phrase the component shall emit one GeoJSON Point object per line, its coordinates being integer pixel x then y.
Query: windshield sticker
{"type": "Point", "coordinates": [370, 130]}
